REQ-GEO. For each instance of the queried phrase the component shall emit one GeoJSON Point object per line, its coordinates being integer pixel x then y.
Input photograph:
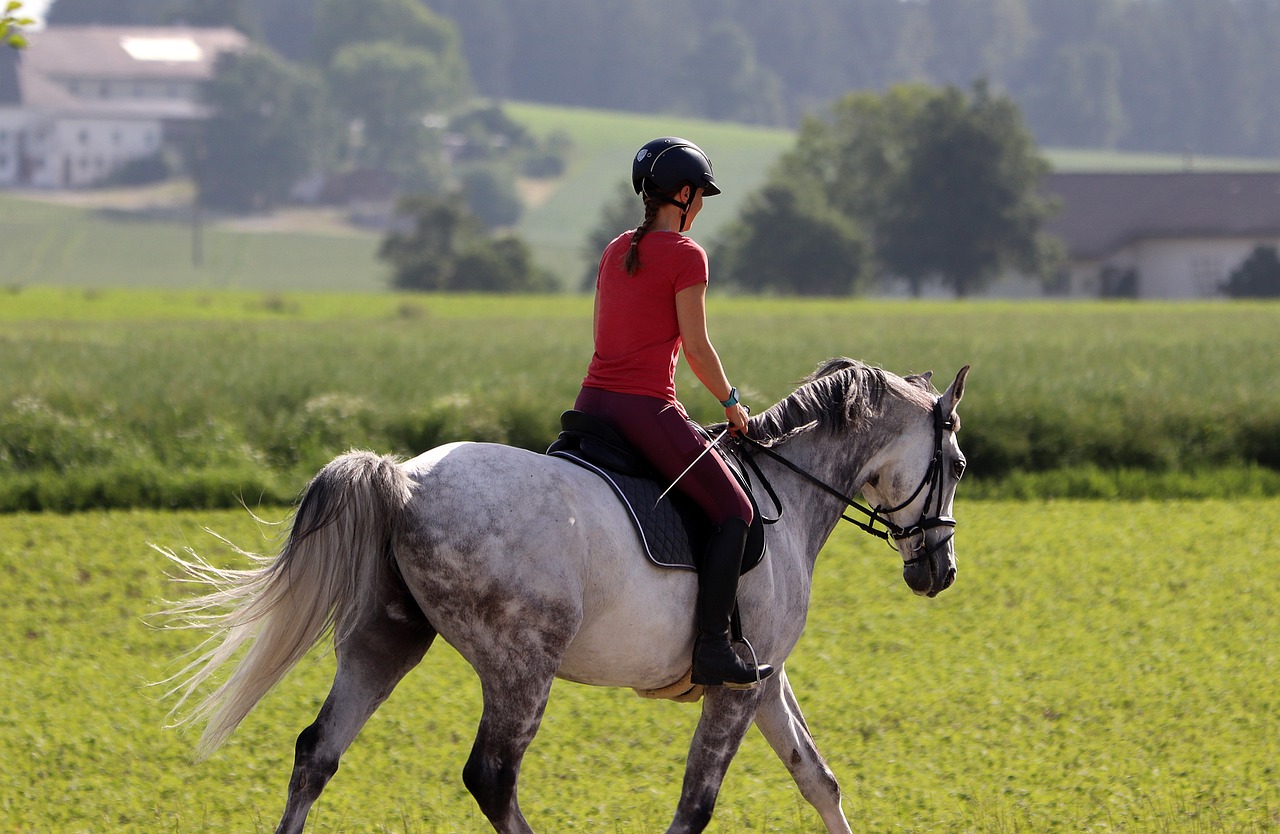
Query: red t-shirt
{"type": "Point", "coordinates": [638, 333]}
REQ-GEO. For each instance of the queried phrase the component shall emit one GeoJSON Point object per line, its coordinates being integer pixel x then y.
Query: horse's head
{"type": "Point", "coordinates": [913, 487]}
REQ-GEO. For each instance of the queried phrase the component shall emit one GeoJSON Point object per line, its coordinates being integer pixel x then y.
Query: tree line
{"type": "Point", "coordinates": [1183, 76]}
{"type": "Point", "coordinates": [1151, 75]}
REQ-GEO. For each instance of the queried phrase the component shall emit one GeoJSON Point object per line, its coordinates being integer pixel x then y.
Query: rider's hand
{"type": "Point", "coordinates": [736, 414]}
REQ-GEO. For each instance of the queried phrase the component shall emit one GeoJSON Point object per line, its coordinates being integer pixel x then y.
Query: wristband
{"type": "Point", "coordinates": [733, 398]}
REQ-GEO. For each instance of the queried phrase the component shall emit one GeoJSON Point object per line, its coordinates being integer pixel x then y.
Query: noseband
{"type": "Point", "coordinates": [880, 515]}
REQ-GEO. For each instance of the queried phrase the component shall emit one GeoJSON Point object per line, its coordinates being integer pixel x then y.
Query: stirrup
{"type": "Point", "coordinates": [761, 671]}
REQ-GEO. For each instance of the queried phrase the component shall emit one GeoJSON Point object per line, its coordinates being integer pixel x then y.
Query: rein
{"type": "Point", "coordinates": [880, 515]}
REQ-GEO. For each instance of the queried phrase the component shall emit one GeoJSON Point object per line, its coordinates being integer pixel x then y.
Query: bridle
{"type": "Point", "coordinates": [932, 480]}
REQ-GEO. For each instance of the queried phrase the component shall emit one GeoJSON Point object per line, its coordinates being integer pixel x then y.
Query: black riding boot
{"type": "Point", "coordinates": [714, 661]}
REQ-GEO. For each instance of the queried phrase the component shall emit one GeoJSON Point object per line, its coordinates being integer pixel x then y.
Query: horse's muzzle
{"type": "Point", "coordinates": [930, 573]}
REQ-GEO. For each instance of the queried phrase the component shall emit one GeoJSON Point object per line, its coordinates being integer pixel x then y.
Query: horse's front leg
{"type": "Point", "coordinates": [783, 726]}
{"type": "Point", "coordinates": [726, 715]}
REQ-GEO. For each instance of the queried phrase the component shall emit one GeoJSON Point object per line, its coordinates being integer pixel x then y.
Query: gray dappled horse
{"type": "Point", "coordinates": [530, 567]}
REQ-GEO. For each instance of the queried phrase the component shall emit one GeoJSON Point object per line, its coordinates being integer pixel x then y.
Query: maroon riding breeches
{"type": "Point", "coordinates": [663, 434]}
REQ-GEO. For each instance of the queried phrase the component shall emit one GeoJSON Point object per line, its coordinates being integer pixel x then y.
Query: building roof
{"type": "Point", "coordinates": [129, 52]}
{"type": "Point", "coordinates": [1104, 212]}
{"type": "Point", "coordinates": [37, 78]}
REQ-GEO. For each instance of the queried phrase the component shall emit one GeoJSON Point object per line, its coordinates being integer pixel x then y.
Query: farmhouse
{"type": "Point", "coordinates": [81, 101]}
{"type": "Point", "coordinates": [1161, 235]}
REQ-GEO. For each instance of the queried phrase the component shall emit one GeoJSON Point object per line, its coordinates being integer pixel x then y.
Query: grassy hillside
{"type": "Point", "coordinates": [97, 239]}
{"type": "Point", "coordinates": [57, 244]}
{"type": "Point", "coordinates": [603, 145]}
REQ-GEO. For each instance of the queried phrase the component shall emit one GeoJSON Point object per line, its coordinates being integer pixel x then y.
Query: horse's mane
{"type": "Point", "coordinates": [839, 395]}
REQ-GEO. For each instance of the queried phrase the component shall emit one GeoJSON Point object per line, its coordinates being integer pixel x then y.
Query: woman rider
{"type": "Point", "coordinates": [650, 302]}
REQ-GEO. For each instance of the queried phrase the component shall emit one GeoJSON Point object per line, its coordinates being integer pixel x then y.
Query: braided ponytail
{"type": "Point", "coordinates": [632, 261]}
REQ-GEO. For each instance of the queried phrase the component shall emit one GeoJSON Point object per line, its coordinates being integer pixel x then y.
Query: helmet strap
{"type": "Point", "coordinates": [667, 198]}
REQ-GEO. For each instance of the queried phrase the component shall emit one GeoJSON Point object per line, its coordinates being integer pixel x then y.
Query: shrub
{"type": "Point", "coordinates": [1257, 277]}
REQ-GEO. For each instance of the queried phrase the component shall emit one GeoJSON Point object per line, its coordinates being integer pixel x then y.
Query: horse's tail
{"type": "Point", "coordinates": [325, 577]}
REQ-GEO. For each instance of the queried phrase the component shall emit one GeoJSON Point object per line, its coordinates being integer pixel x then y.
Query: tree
{"type": "Point", "coordinates": [789, 240]}
{"type": "Point", "coordinates": [267, 130]}
{"type": "Point", "coordinates": [11, 24]}
{"type": "Point", "coordinates": [385, 89]}
{"type": "Point", "coordinates": [444, 248]}
{"type": "Point", "coordinates": [1257, 277]}
{"type": "Point", "coordinates": [490, 192]}
{"type": "Point", "coordinates": [853, 154]}
{"type": "Point", "coordinates": [113, 12]}
{"type": "Point", "coordinates": [733, 85]}
{"type": "Point", "coordinates": [409, 23]}
{"type": "Point", "coordinates": [503, 264]}
{"type": "Point", "coordinates": [230, 13]}
{"type": "Point", "coordinates": [1080, 104]}
{"type": "Point", "coordinates": [946, 186]}
{"type": "Point", "coordinates": [967, 204]}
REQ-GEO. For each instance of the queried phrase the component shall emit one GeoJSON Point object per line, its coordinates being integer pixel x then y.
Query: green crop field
{"type": "Point", "coordinates": [192, 399]}
{"type": "Point", "coordinates": [1098, 666]}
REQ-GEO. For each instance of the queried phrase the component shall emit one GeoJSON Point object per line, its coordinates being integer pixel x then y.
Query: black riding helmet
{"type": "Point", "coordinates": [663, 165]}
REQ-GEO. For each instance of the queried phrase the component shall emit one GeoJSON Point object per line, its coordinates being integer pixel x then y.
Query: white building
{"type": "Point", "coordinates": [1168, 235]}
{"type": "Point", "coordinates": [81, 101]}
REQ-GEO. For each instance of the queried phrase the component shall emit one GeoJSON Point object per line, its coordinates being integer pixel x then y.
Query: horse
{"type": "Point", "coordinates": [530, 568]}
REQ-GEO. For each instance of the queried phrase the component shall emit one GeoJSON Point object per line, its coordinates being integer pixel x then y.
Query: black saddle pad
{"type": "Point", "coordinates": [674, 531]}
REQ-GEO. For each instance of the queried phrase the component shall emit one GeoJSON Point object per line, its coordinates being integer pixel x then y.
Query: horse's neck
{"type": "Point", "coordinates": [835, 460]}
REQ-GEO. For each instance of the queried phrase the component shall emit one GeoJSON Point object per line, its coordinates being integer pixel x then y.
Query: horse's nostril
{"type": "Point", "coordinates": [951, 577]}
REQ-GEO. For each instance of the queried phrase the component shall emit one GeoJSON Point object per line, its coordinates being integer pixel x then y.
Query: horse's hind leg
{"type": "Point", "coordinates": [783, 726]}
{"type": "Point", "coordinates": [371, 662]}
{"type": "Point", "coordinates": [514, 701]}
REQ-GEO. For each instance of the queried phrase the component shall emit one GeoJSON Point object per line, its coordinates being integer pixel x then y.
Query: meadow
{"type": "Point", "coordinates": [1098, 666]}
{"type": "Point", "coordinates": [114, 398]}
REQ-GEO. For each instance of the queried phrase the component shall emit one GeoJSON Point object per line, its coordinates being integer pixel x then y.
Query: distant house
{"type": "Point", "coordinates": [81, 101]}
{"type": "Point", "coordinates": [1161, 235]}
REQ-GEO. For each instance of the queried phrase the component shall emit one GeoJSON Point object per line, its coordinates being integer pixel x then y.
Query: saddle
{"type": "Point", "coordinates": [674, 530]}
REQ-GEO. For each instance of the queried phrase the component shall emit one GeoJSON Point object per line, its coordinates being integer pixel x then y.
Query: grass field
{"type": "Point", "coordinates": [51, 244]}
{"type": "Point", "coordinates": [1097, 667]}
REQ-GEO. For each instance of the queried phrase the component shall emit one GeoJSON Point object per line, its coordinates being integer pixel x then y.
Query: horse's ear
{"type": "Point", "coordinates": [921, 381]}
{"type": "Point", "coordinates": [951, 397]}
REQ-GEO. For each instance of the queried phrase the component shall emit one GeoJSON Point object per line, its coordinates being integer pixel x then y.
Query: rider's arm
{"type": "Point", "coordinates": [691, 312]}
